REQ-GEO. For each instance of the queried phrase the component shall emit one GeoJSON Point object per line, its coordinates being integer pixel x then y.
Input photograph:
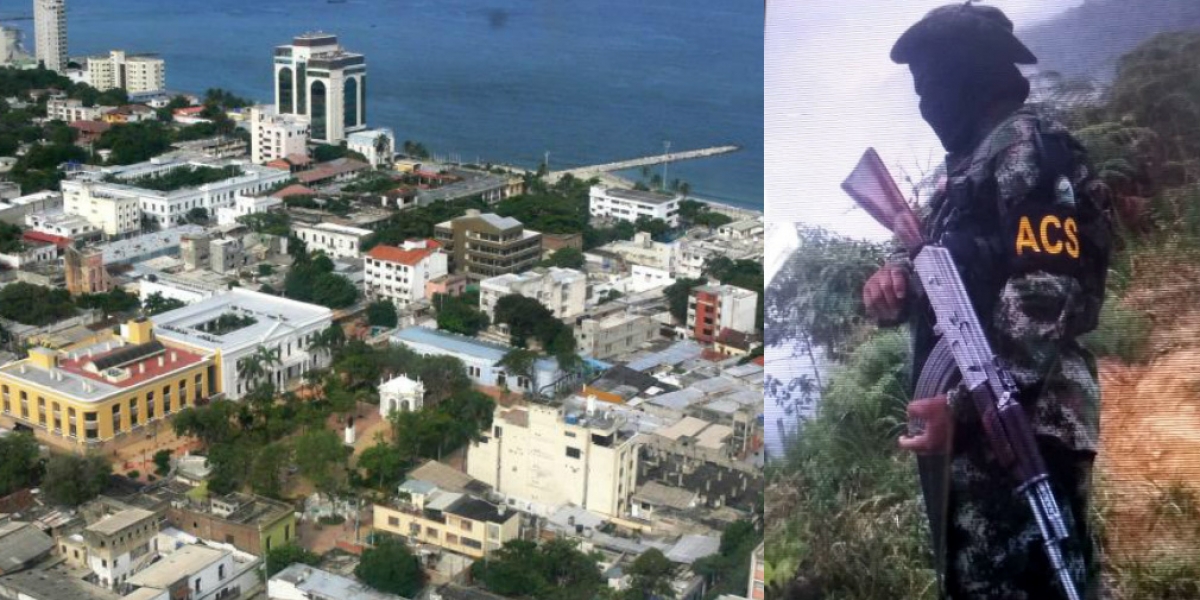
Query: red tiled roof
{"type": "Point", "coordinates": [294, 190]}
{"type": "Point", "coordinates": [402, 256]}
{"type": "Point", "coordinates": [184, 359]}
{"type": "Point", "coordinates": [189, 110]}
{"type": "Point", "coordinates": [50, 238]}
{"type": "Point", "coordinates": [279, 163]}
{"type": "Point", "coordinates": [298, 159]}
{"type": "Point", "coordinates": [331, 169]}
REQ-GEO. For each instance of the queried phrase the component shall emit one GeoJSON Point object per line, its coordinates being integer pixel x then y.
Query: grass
{"type": "Point", "coordinates": [1123, 333]}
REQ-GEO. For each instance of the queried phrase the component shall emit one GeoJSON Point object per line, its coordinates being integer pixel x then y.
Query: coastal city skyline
{"type": "Point", "coordinates": [269, 331]}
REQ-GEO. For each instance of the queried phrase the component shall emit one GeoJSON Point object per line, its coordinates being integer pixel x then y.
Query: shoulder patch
{"type": "Point", "coordinates": [1043, 238]}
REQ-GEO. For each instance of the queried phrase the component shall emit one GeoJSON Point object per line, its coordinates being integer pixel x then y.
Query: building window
{"type": "Point", "coordinates": [573, 452]}
{"type": "Point", "coordinates": [393, 522]}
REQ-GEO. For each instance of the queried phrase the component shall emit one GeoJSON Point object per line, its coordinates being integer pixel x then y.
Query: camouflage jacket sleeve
{"type": "Point", "coordinates": [1035, 304]}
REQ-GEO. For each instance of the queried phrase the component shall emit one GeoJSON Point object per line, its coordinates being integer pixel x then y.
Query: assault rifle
{"type": "Point", "coordinates": [993, 389]}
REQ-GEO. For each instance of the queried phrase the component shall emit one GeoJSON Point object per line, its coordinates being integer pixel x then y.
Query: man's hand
{"type": "Point", "coordinates": [884, 293]}
{"type": "Point", "coordinates": [934, 414]}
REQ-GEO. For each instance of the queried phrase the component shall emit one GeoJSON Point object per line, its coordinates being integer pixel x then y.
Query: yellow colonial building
{"type": "Point", "coordinates": [423, 514]}
{"type": "Point", "coordinates": [93, 393]}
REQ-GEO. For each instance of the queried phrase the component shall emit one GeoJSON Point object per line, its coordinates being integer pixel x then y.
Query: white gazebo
{"type": "Point", "coordinates": [401, 394]}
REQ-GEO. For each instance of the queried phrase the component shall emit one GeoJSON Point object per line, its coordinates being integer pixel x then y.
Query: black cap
{"type": "Point", "coordinates": [963, 27]}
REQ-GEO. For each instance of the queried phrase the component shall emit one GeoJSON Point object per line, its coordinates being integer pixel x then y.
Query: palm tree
{"type": "Point", "coordinates": [383, 146]}
{"type": "Point", "coordinates": [329, 339]}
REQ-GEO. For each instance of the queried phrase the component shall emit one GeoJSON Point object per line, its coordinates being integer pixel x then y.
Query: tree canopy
{"type": "Point", "coordinates": [460, 314]}
{"type": "Point", "coordinates": [72, 479]}
{"type": "Point", "coordinates": [389, 566]}
{"type": "Point", "coordinates": [35, 305]}
{"type": "Point", "coordinates": [555, 570]}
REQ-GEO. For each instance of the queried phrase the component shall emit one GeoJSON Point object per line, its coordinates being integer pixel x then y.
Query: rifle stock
{"type": "Point", "coordinates": [993, 390]}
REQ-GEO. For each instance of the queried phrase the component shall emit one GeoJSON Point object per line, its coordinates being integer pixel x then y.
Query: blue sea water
{"type": "Point", "coordinates": [588, 81]}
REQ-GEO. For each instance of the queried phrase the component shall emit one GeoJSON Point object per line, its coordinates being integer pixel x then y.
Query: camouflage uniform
{"type": "Point", "coordinates": [993, 544]}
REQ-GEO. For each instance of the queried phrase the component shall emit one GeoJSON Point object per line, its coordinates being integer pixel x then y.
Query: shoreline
{"type": "Point", "coordinates": [733, 211]}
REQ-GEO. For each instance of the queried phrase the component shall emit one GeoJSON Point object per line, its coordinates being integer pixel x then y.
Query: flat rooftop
{"type": "Point", "coordinates": [639, 196]}
{"type": "Point", "coordinates": [323, 584]}
{"type": "Point", "coordinates": [271, 313]}
{"type": "Point", "coordinates": [335, 228]}
{"type": "Point", "coordinates": [177, 565]}
{"type": "Point", "coordinates": [118, 521]}
{"type": "Point", "coordinates": [449, 343]}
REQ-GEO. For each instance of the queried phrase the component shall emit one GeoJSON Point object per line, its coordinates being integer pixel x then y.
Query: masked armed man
{"type": "Point", "coordinates": [1030, 231]}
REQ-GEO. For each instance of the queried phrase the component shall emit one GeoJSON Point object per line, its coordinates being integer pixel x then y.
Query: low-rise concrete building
{"type": "Point", "coordinates": [401, 274]}
{"type": "Point", "coordinates": [541, 456]}
{"type": "Point", "coordinates": [377, 145]}
{"type": "Point", "coordinates": [631, 205]}
{"type": "Point", "coordinates": [302, 582]}
{"type": "Point", "coordinates": [715, 308]}
{"type": "Point", "coordinates": [480, 358]}
{"type": "Point", "coordinates": [121, 544]}
{"type": "Point", "coordinates": [401, 394]}
{"type": "Point", "coordinates": [563, 291]}
{"type": "Point", "coordinates": [487, 245]}
{"type": "Point", "coordinates": [424, 514]}
{"type": "Point", "coordinates": [336, 241]}
{"type": "Point", "coordinates": [613, 330]}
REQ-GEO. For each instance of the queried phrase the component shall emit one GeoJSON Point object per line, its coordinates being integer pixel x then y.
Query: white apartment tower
{"type": "Point", "coordinates": [50, 33]}
{"type": "Point", "coordinates": [134, 74]}
{"type": "Point", "coordinates": [274, 136]}
{"type": "Point", "coordinates": [316, 78]}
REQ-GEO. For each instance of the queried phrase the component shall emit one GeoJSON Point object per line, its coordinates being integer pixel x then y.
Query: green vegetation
{"type": "Point", "coordinates": [372, 182]}
{"type": "Point", "coordinates": [460, 314]}
{"type": "Point", "coordinates": [845, 516]}
{"type": "Point", "coordinates": [19, 462]}
{"type": "Point", "coordinates": [321, 457]}
{"type": "Point", "coordinates": [35, 305]}
{"type": "Point", "coordinates": [566, 258]}
{"type": "Point", "coordinates": [382, 313]}
{"type": "Point", "coordinates": [677, 296]}
{"type": "Point", "coordinates": [10, 238]}
{"type": "Point", "coordinates": [699, 214]}
{"type": "Point", "coordinates": [313, 280]}
{"type": "Point", "coordinates": [418, 223]}
{"type": "Point", "coordinates": [271, 223]}
{"type": "Point", "coordinates": [280, 557]}
{"type": "Point", "coordinates": [726, 571]}
{"type": "Point", "coordinates": [228, 322]}
{"type": "Point", "coordinates": [650, 577]}
{"type": "Point", "coordinates": [162, 462]}
{"type": "Point", "coordinates": [182, 177]}
{"type": "Point", "coordinates": [155, 303]}
{"type": "Point", "coordinates": [328, 152]}
{"type": "Point", "coordinates": [110, 303]}
{"type": "Point", "coordinates": [135, 142]}
{"type": "Point", "coordinates": [389, 566]}
{"type": "Point", "coordinates": [527, 318]}
{"type": "Point", "coordinates": [72, 479]}
{"type": "Point", "coordinates": [415, 150]}
{"type": "Point", "coordinates": [555, 570]}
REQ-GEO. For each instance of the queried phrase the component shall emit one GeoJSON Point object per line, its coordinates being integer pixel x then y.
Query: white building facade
{"type": "Point", "coordinates": [480, 358]}
{"type": "Point", "coordinates": [247, 205]}
{"type": "Point", "coordinates": [134, 74]}
{"type": "Point", "coordinates": [630, 205]}
{"type": "Point", "coordinates": [50, 33]}
{"type": "Point", "coordinates": [336, 241]}
{"type": "Point", "coordinates": [70, 109]}
{"type": "Point", "coordinates": [378, 145]}
{"type": "Point", "coordinates": [108, 204]}
{"type": "Point", "coordinates": [401, 394]}
{"type": "Point", "coordinates": [274, 136]}
{"type": "Point", "coordinates": [285, 327]}
{"type": "Point", "coordinates": [563, 291]}
{"type": "Point", "coordinates": [399, 274]}
{"type": "Point", "coordinates": [542, 456]}
{"type": "Point", "coordinates": [318, 79]}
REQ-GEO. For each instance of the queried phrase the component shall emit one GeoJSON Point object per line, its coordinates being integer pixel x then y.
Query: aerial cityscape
{"type": "Point", "coordinates": [265, 336]}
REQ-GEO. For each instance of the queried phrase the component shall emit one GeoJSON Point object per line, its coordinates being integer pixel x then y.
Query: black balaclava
{"type": "Point", "coordinates": [958, 91]}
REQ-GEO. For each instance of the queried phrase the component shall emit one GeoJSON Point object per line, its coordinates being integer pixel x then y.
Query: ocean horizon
{"type": "Point", "coordinates": [497, 81]}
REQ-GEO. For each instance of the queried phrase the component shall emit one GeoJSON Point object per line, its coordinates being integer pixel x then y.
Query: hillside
{"type": "Point", "coordinates": [1087, 40]}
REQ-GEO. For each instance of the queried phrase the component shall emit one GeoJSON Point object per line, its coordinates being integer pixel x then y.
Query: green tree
{"type": "Point", "coordinates": [390, 567]}
{"type": "Point", "coordinates": [35, 305]}
{"type": "Point", "coordinates": [281, 557]}
{"type": "Point", "coordinates": [460, 314]}
{"type": "Point", "coordinates": [155, 304]}
{"type": "Point", "coordinates": [525, 318]}
{"type": "Point", "coordinates": [556, 570]}
{"type": "Point", "coordinates": [135, 142]}
{"type": "Point", "coordinates": [267, 470]}
{"type": "Point", "coordinates": [382, 313]}
{"type": "Point", "coordinates": [677, 295]}
{"type": "Point", "coordinates": [198, 215]}
{"type": "Point", "coordinates": [383, 466]}
{"type": "Point", "coordinates": [657, 228]}
{"type": "Point", "coordinates": [72, 479]}
{"type": "Point", "coordinates": [567, 258]}
{"type": "Point", "coordinates": [212, 424]}
{"type": "Point", "coordinates": [162, 462]}
{"type": "Point", "coordinates": [650, 577]}
{"type": "Point", "coordinates": [519, 362]}
{"type": "Point", "coordinates": [725, 571]}
{"type": "Point", "coordinates": [321, 457]}
{"type": "Point", "coordinates": [19, 464]}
